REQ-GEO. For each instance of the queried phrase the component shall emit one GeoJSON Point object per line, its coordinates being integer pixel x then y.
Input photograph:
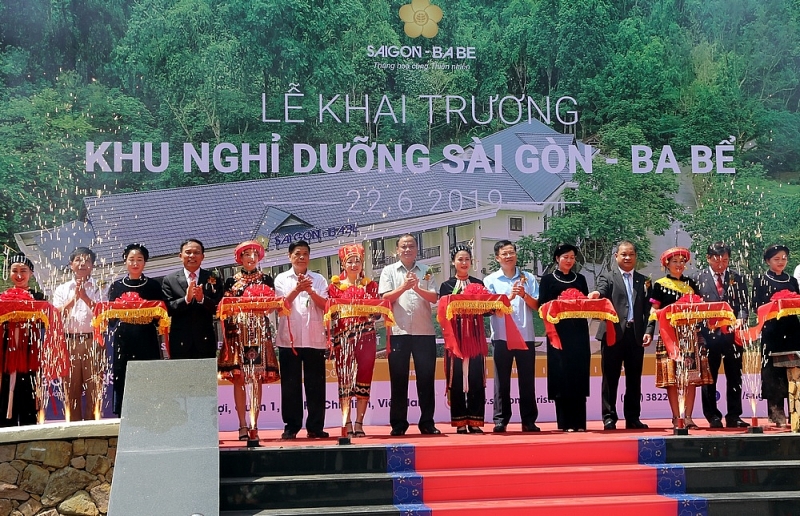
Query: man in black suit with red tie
{"type": "Point", "coordinates": [719, 283]}
{"type": "Point", "coordinates": [628, 291]}
{"type": "Point", "coordinates": [192, 296]}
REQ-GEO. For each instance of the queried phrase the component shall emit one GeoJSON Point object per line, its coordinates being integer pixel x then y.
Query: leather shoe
{"type": "Point", "coordinates": [736, 423]}
{"type": "Point", "coordinates": [397, 432]}
{"type": "Point", "coordinates": [609, 424]}
{"type": "Point", "coordinates": [715, 423]}
{"type": "Point", "coordinates": [635, 425]}
{"type": "Point", "coordinates": [429, 430]}
{"type": "Point", "coordinates": [530, 428]}
{"type": "Point", "coordinates": [318, 435]}
{"type": "Point", "coordinates": [288, 434]}
{"type": "Point", "coordinates": [499, 429]}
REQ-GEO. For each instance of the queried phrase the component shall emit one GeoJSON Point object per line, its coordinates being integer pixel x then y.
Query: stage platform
{"type": "Point", "coordinates": [549, 432]}
{"type": "Point", "coordinates": [709, 472]}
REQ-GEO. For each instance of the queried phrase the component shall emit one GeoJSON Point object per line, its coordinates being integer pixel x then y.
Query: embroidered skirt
{"type": "Point", "coordinates": [248, 349]}
{"type": "Point", "coordinates": [695, 360]}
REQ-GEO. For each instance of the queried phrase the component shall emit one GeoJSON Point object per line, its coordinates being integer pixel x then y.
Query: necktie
{"type": "Point", "coordinates": [192, 277]}
{"type": "Point", "coordinates": [629, 289]}
{"type": "Point", "coordinates": [720, 288]}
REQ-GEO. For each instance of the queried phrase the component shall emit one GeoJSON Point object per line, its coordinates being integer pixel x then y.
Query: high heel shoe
{"type": "Point", "coordinates": [243, 433]}
{"type": "Point", "coordinates": [357, 432]}
{"type": "Point", "coordinates": [474, 430]}
{"type": "Point", "coordinates": [689, 424]}
{"type": "Point", "coordinates": [349, 430]}
{"type": "Point", "coordinates": [461, 430]}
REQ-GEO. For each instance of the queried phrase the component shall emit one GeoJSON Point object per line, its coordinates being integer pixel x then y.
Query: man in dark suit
{"type": "Point", "coordinates": [628, 292]}
{"type": "Point", "coordinates": [719, 283]}
{"type": "Point", "coordinates": [192, 296]}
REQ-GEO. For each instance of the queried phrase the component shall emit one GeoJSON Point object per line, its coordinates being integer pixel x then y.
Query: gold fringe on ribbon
{"type": "Point", "coordinates": [783, 312]}
{"type": "Point", "coordinates": [473, 307]}
{"type": "Point", "coordinates": [346, 310]}
{"type": "Point", "coordinates": [24, 316]}
{"type": "Point", "coordinates": [725, 317]}
{"type": "Point", "coordinates": [582, 315]}
{"type": "Point", "coordinates": [134, 316]}
{"type": "Point", "coordinates": [228, 310]}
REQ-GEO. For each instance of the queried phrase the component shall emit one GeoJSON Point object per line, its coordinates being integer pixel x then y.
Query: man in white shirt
{"type": "Point", "coordinates": [75, 299]}
{"type": "Point", "coordinates": [302, 345]}
{"type": "Point", "coordinates": [410, 288]}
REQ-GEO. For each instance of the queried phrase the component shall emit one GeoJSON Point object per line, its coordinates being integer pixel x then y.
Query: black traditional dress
{"type": "Point", "coordinates": [568, 367]}
{"type": "Point", "coordinates": [249, 334]}
{"type": "Point", "coordinates": [133, 341]}
{"type": "Point", "coordinates": [466, 408]}
{"type": "Point", "coordinates": [777, 335]}
{"type": "Point", "coordinates": [665, 292]}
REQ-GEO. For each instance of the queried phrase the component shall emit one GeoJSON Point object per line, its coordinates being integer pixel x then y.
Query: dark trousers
{"type": "Point", "coordinates": [571, 412]}
{"type": "Point", "coordinates": [23, 410]}
{"type": "Point", "coordinates": [423, 349]}
{"type": "Point", "coordinates": [306, 367]}
{"type": "Point", "coordinates": [630, 353]}
{"type": "Point", "coordinates": [466, 409]}
{"type": "Point", "coordinates": [526, 379]}
{"type": "Point", "coordinates": [731, 357]}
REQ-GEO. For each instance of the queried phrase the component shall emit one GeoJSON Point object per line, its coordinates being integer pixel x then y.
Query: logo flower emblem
{"type": "Point", "coordinates": [421, 18]}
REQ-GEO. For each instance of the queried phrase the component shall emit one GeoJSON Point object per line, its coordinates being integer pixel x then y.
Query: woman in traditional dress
{"type": "Point", "coordinates": [666, 291]}
{"type": "Point", "coordinates": [20, 352]}
{"type": "Point", "coordinates": [568, 367]}
{"type": "Point", "coordinates": [467, 406]}
{"type": "Point", "coordinates": [778, 335]}
{"type": "Point", "coordinates": [133, 341]}
{"type": "Point", "coordinates": [354, 338]}
{"type": "Point", "coordinates": [249, 338]}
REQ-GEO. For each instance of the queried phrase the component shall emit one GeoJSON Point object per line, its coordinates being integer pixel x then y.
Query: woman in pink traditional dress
{"type": "Point", "coordinates": [248, 337]}
{"type": "Point", "coordinates": [354, 338]}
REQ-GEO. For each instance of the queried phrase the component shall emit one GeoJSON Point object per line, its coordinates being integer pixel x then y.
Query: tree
{"type": "Point", "coordinates": [610, 205]}
{"type": "Point", "coordinates": [749, 212]}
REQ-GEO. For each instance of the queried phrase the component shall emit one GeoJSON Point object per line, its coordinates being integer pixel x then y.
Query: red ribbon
{"type": "Point", "coordinates": [783, 303]}
{"type": "Point", "coordinates": [691, 309]}
{"type": "Point", "coordinates": [17, 306]}
{"type": "Point", "coordinates": [362, 306]}
{"type": "Point", "coordinates": [570, 306]}
{"type": "Point", "coordinates": [458, 304]}
{"type": "Point", "coordinates": [134, 307]}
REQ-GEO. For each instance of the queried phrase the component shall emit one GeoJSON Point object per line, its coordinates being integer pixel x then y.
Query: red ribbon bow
{"type": "Point", "coordinates": [573, 304]}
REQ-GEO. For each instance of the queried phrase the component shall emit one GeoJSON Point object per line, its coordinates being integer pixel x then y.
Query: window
{"type": "Point", "coordinates": [515, 224]}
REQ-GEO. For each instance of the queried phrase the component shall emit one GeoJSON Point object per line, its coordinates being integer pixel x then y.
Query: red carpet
{"type": "Point", "coordinates": [547, 473]}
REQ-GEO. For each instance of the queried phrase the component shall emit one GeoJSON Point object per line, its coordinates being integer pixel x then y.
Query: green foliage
{"type": "Point", "coordinates": [661, 72]}
{"type": "Point", "coordinates": [610, 205]}
{"type": "Point", "coordinates": [749, 212]}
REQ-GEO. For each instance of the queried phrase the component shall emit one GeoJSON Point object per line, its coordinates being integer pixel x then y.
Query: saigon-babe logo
{"type": "Point", "coordinates": [421, 18]}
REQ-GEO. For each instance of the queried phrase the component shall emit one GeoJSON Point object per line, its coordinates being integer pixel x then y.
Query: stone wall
{"type": "Point", "coordinates": [65, 476]}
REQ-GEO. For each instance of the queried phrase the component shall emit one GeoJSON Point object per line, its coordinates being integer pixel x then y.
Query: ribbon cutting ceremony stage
{"type": "Point", "coordinates": [710, 472]}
